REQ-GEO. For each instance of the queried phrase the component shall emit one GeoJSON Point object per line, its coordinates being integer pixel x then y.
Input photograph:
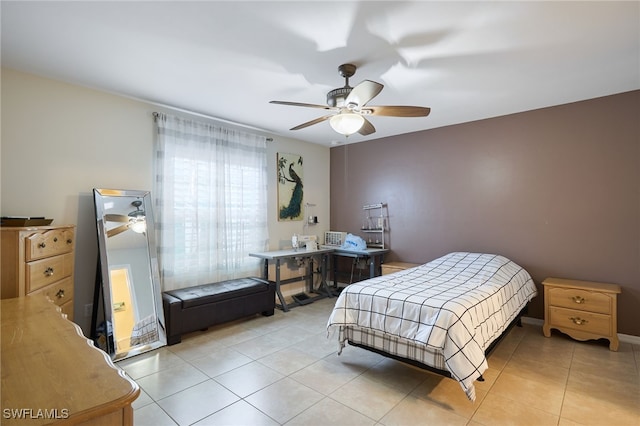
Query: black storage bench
{"type": "Point", "coordinates": [196, 308]}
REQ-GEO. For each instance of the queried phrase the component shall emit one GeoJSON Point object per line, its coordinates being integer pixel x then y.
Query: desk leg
{"type": "Point", "coordinates": [334, 262]}
{"type": "Point", "coordinates": [278, 292]}
{"type": "Point", "coordinates": [310, 275]}
{"type": "Point", "coordinates": [323, 275]}
{"type": "Point", "coordinates": [372, 267]}
{"type": "Point", "coordinates": [265, 270]}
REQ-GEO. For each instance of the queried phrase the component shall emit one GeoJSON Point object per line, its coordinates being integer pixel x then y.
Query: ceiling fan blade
{"type": "Point", "coordinates": [117, 230]}
{"type": "Point", "coordinates": [312, 122]}
{"type": "Point", "coordinates": [363, 93]}
{"type": "Point", "coordinates": [303, 105]}
{"type": "Point", "coordinates": [399, 111]}
{"type": "Point", "coordinates": [116, 218]}
{"type": "Point", "coordinates": [367, 128]}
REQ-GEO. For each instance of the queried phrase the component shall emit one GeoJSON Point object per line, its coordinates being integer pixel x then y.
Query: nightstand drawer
{"type": "Point", "coordinates": [580, 320]}
{"type": "Point", "coordinates": [584, 300]}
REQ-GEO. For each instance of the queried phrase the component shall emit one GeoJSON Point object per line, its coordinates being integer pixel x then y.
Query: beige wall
{"type": "Point", "coordinates": [557, 190]}
{"type": "Point", "coordinates": [59, 141]}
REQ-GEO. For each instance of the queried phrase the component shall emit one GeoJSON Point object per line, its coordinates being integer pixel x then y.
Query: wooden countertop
{"type": "Point", "coordinates": [50, 371]}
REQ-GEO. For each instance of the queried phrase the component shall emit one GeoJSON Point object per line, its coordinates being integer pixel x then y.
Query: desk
{"type": "Point", "coordinates": [375, 254]}
{"type": "Point", "coordinates": [278, 255]}
{"type": "Point", "coordinates": [52, 373]}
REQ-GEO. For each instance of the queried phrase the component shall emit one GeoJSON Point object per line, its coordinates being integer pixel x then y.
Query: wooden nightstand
{"type": "Point", "coordinates": [391, 267]}
{"type": "Point", "coordinates": [582, 309]}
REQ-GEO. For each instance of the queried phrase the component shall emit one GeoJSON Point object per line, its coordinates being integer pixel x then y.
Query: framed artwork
{"type": "Point", "coordinates": [290, 188]}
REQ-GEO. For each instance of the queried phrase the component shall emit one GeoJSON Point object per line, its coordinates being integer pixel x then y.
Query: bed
{"type": "Point", "coordinates": [442, 315]}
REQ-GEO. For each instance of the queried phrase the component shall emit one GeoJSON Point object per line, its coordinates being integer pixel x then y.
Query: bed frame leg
{"type": "Point", "coordinates": [480, 379]}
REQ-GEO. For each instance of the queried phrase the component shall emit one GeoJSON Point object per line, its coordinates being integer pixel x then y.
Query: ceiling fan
{"type": "Point", "coordinates": [135, 220]}
{"type": "Point", "coordinates": [349, 106]}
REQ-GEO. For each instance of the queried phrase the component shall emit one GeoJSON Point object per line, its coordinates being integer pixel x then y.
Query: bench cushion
{"type": "Point", "coordinates": [216, 292]}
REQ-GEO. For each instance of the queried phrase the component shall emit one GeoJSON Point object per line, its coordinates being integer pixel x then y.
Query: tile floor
{"type": "Point", "coordinates": [282, 370]}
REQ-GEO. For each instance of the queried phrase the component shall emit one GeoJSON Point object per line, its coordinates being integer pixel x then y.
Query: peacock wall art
{"type": "Point", "coordinates": [290, 187]}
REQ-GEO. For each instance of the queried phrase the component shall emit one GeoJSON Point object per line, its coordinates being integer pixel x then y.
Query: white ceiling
{"type": "Point", "coordinates": [228, 59]}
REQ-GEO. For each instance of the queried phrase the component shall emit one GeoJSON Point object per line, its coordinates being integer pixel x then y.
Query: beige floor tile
{"type": "Point", "coordinates": [232, 333]}
{"type": "Point", "coordinates": [417, 411]}
{"type": "Point", "coordinates": [396, 374]}
{"type": "Point", "coordinates": [447, 394]}
{"type": "Point", "coordinates": [248, 378]}
{"type": "Point", "coordinates": [325, 376]}
{"type": "Point", "coordinates": [239, 414]}
{"type": "Point", "coordinates": [192, 348]}
{"type": "Point", "coordinates": [288, 360]}
{"type": "Point", "coordinates": [150, 362]}
{"type": "Point", "coordinates": [284, 399]}
{"type": "Point", "coordinates": [499, 357]}
{"type": "Point", "coordinates": [197, 402]}
{"type": "Point", "coordinates": [538, 394]}
{"type": "Point", "coordinates": [368, 397]}
{"type": "Point", "coordinates": [490, 376]}
{"type": "Point", "coordinates": [545, 350]}
{"type": "Point", "coordinates": [597, 359]}
{"type": "Point", "coordinates": [152, 415]}
{"type": "Point", "coordinates": [539, 371]}
{"type": "Point", "coordinates": [497, 410]}
{"type": "Point", "coordinates": [329, 412]}
{"type": "Point", "coordinates": [167, 382]}
{"type": "Point", "coordinates": [605, 388]}
{"type": "Point", "coordinates": [267, 344]}
{"type": "Point", "coordinates": [220, 361]}
{"type": "Point", "coordinates": [318, 345]}
{"type": "Point", "coordinates": [583, 408]}
{"type": "Point", "coordinates": [142, 400]}
{"type": "Point", "coordinates": [356, 356]}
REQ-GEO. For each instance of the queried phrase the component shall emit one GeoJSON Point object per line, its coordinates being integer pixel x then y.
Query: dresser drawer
{"type": "Point", "coordinates": [580, 320]}
{"type": "Point", "coordinates": [49, 243]}
{"type": "Point", "coordinates": [59, 292]}
{"type": "Point", "coordinates": [44, 272]}
{"type": "Point", "coordinates": [584, 300]}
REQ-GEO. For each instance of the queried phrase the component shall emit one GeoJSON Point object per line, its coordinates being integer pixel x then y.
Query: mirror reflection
{"type": "Point", "coordinates": [128, 273]}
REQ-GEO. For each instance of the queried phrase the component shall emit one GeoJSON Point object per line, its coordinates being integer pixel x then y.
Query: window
{"type": "Point", "coordinates": [211, 208]}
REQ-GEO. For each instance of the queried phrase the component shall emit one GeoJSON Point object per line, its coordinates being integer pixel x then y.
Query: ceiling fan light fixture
{"type": "Point", "coordinates": [346, 123]}
{"type": "Point", "coordinates": [138, 224]}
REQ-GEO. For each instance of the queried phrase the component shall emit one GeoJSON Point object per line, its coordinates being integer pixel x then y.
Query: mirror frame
{"type": "Point", "coordinates": [103, 279]}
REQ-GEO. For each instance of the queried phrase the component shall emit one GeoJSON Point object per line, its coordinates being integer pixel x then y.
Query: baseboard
{"type": "Point", "coordinates": [626, 338]}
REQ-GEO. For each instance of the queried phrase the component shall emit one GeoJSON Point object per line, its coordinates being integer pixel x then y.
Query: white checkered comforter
{"type": "Point", "coordinates": [458, 304]}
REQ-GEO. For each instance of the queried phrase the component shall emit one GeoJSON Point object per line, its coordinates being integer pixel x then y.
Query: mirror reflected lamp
{"type": "Point", "coordinates": [127, 317]}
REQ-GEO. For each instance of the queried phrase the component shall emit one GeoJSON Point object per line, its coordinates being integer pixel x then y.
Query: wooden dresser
{"type": "Point", "coordinates": [582, 309]}
{"type": "Point", "coordinates": [51, 373]}
{"type": "Point", "coordinates": [391, 267]}
{"type": "Point", "coordinates": [39, 260]}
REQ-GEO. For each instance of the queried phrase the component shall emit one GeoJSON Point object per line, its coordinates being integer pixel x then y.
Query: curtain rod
{"type": "Point", "coordinates": [233, 123]}
{"type": "Point", "coordinates": [186, 111]}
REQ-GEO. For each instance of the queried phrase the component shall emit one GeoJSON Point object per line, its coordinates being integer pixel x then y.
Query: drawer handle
{"type": "Point", "coordinates": [55, 239]}
{"type": "Point", "coordinates": [42, 245]}
{"type": "Point", "coordinates": [60, 294]}
{"type": "Point", "coordinates": [579, 300]}
{"type": "Point", "coordinates": [578, 320]}
{"type": "Point", "coordinates": [69, 241]}
{"type": "Point", "coordinates": [48, 272]}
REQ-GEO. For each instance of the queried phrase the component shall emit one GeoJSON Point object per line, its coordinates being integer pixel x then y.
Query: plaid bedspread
{"type": "Point", "coordinates": [458, 303]}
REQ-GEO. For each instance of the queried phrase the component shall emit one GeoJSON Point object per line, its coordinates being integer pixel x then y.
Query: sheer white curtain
{"type": "Point", "coordinates": [210, 201]}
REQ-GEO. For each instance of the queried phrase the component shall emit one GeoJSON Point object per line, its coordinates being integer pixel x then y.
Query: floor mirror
{"type": "Point", "coordinates": [127, 318]}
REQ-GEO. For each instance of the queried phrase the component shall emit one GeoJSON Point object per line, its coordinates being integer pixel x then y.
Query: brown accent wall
{"type": "Point", "coordinates": [557, 190]}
